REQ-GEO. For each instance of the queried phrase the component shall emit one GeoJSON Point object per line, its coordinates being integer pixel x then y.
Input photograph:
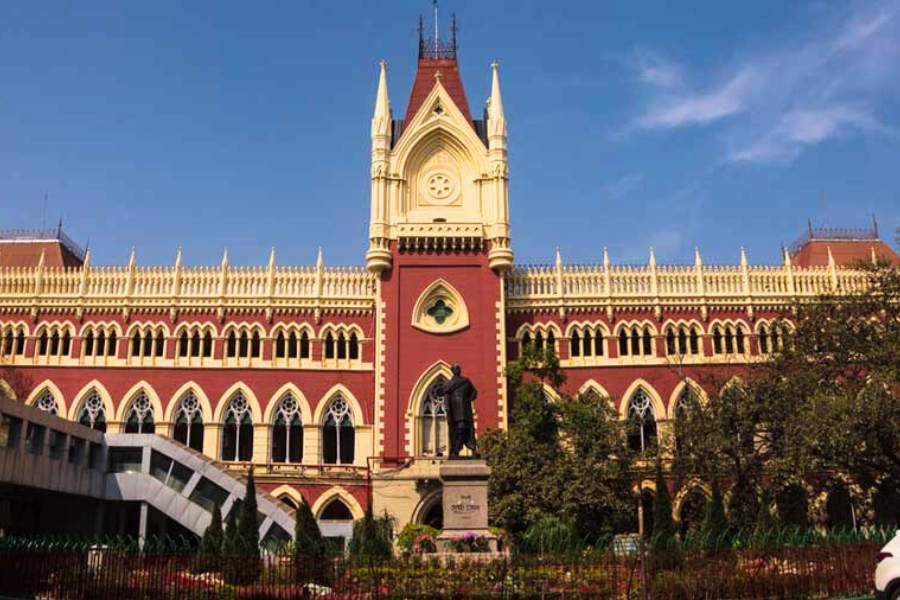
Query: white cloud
{"type": "Point", "coordinates": [654, 69]}
{"type": "Point", "coordinates": [772, 106]}
{"type": "Point", "coordinates": [622, 186]}
{"type": "Point", "coordinates": [728, 99]}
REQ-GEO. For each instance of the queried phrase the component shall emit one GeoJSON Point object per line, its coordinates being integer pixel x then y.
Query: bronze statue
{"type": "Point", "coordinates": [460, 394]}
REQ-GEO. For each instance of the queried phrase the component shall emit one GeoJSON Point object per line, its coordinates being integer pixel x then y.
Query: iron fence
{"type": "Point", "coordinates": [120, 569]}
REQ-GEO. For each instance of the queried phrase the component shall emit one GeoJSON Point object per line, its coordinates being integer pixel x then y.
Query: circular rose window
{"type": "Point", "coordinates": [439, 186]}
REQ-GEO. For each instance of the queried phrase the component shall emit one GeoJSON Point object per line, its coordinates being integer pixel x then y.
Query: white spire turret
{"type": "Point", "coordinates": [496, 117]}
{"type": "Point", "coordinates": [381, 118]}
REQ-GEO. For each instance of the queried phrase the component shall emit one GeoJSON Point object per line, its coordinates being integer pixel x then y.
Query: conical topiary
{"type": "Point", "coordinates": [229, 538]}
{"type": "Point", "coordinates": [307, 537]}
{"type": "Point", "coordinates": [663, 524]}
{"type": "Point", "coordinates": [715, 525]}
{"type": "Point", "coordinates": [213, 537]}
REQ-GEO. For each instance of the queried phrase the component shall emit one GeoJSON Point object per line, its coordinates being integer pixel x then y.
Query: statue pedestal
{"type": "Point", "coordinates": [465, 499]}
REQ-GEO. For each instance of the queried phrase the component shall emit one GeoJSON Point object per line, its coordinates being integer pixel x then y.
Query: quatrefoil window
{"type": "Point", "coordinates": [440, 311]}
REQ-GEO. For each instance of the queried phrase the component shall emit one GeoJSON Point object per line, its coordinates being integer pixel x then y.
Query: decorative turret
{"type": "Point", "coordinates": [496, 119]}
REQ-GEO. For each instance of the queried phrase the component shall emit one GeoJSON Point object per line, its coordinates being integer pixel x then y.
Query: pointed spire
{"type": "Point", "coordinates": [86, 263]}
{"type": "Point", "coordinates": [874, 256]}
{"type": "Point", "coordinates": [381, 119]}
{"type": "Point", "coordinates": [42, 259]}
{"type": "Point", "coordinates": [698, 262]}
{"type": "Point", "coordinates": [558, 260]}
{"type": "Point", "coordinates": [743, 257]}
{"type": "Point", "coordinates": [830, 256]}
{"type": "Point", "coordinates": [132, 259]}
{"type": "Point", "coordinates": [178, 258]}
{"type": "Point", "coordinates": [272, 258]}
{"type": "Point", "coordinates": [225, 259]}
{"type": "Point", "coordinates": [652, 261]}
{"type": "Point", "coordinates": [605, 258]}
{"type": "Point", "coordinates": [787, 256]}
{"type": "Point", "coordinates": [320, 259]}
{"type": "Point", "coordinates": [495, 114]}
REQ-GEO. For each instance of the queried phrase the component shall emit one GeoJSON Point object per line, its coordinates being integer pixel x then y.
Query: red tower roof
{"type": "Point", "coordinates": [20, 248]}
{"type": "Point", "coordinates": [847, 247]}
{"type": "Point", "coordinates": [437, 57]}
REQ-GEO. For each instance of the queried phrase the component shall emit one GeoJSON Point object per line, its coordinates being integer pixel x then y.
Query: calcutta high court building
{"type": "Point", "coordinates": [324, 378]}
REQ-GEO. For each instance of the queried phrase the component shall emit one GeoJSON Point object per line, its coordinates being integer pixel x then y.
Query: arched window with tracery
{"type": "Point", "coordinates": [686, 402]}
{"type": "Point", "coordinates": [189, 422]}
{"type": "Point", "coordinates": [642, 433]}
{"type": "Point", "coordinates": [433, 432]}
{"type": "Point", "coordinates": [287, 432]}
{"type": "Point", "coordinates": [338, 433]}
{"type": "Point", "coordinates": [237, 433]}
{"type": "Point", "coordinates": [140, 415]}
{"type": "Point", "coordinates": [47, 402]}
{"type": "Point", "coordinates": [93, 413]}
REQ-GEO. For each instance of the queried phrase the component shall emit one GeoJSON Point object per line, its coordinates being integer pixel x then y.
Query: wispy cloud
{"type": "Point", "coordinates": [622, 187]}
{"type": "Point", "coordinates": [770, 107]}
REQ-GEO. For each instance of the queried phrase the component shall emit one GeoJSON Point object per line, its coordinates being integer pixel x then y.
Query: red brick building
{"type": "Point", "coordinates": [323, 378]}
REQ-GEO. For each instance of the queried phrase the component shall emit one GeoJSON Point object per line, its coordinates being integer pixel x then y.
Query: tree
{"type": "Point", "coordinates": [230, 538]}
{"type": "Point", "coordinates": [568, 459]}
{"type": "Point", "coordinates": [715, 525]}
{"type": "Point", "coordinates": [792, 506]}
{"type": "Point", "coordinates": [663, 524]}
{"type": "Point", "coordinates": [372, 536]}
{"type": "Point", "coordinates": [308, 541]}
{"type": "Point", "coordinates": [247, 523]}
{"type": "Point", "coordinates": [839, 507]}
{"type": "Point", "coordinates": [213, 537]}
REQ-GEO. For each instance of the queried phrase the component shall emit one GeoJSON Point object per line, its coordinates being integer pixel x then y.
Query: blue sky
{"type": "Point", "coordinates": [211, 124]}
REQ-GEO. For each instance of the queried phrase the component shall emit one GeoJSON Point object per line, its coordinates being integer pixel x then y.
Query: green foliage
{"type": "Point", "coordinates": [247, 524]}
{"type": "Point", "coordinates": [372, 536]}
{"type": "Point", "coordinates": [551, 536]}
{"type": "Point", "coordinates": [766, 523]}
{"type": "Point", "coordinates": [307, 537]}
{"type": "Point", "coordinates": [663, 524]}
{"type": "Point", "coordinates": [715, 525]}
{"type": "Point", "coordinates": [410, 533]}
{"type": "Point", "coordinates": [213, 537]}
{"type": "Point", "coordinates": [838, 507]}
{"type": "Point", "coordinates": [565, 459]}
{"type": "Point", "coordinates": [792, 506]}
{"type": "Point", "coordinates": [743, 505]}
{"type": "Point", "coordinates": [887, 505]}
{"type": "Point", "coordinates": [230, 538]}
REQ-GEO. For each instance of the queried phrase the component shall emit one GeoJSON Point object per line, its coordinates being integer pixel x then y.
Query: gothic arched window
{"type": "Point", "coordinates": [623, 343]}
{"type": "Point", "coordinates": [575, 344]}
{"type": "Point", "coordinates": [433, 420]}
{"type": "Point", "coordinates": [338, 433]}
{"type": "Point", "coordinates": [642, 422]}
{"type": "Point", "coordinates": [287, 432]}
{"type": "Point", "coordinates": [189, 422]}
{"type": "Point", "coordinates": [47, 403]}
{"type": "Point", "coordinates": [93, 413]}
{"type": "Point", "coordinates": [237, 434]}
{"type": "Point", "coordinates": [140, 415]}
{"type": "Point", "coordinates": [695, 341]}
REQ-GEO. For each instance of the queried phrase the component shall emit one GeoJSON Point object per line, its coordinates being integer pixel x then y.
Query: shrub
{"type": "Point", "coordinates": [550, 535]}
{"type": "Point", "coordinates": [792, 506]}
{"type": "Point", "coordinates": [471, 542]}
{"type": "Point", "coordinates": [307, 537]}
{"type": "Point", "coordinates": [372, 536]}
{"type": "Point", "coordinates": [413, 535]}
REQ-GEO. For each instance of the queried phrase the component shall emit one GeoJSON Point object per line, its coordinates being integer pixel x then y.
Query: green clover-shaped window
{"type": "Point", "coordinates": [440, 311]}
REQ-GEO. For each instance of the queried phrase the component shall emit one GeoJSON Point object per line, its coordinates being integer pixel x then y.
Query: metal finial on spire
{"type": "Point", "coordinates": [421, 37]}
{"type": "Point", "coordinates": [437, 34]}
{"type": "Point", "coordinates": [453, 31]}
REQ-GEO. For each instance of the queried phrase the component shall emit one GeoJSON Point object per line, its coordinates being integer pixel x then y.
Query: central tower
{"type": "Point", "coordinates": [439, 243]}
{"type": "Point", "coordinates": [439, 177]}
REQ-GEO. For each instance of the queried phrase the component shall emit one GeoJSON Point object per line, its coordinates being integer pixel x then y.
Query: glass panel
{"type": "Point", "coordinates": [208, 495]}
{"type": "Point", "coordinates": [57, 444]}
{"type": "Point", "coordinates": [76, 451]}
{"type": "Point", "coordinates": [10, 431]}
{"type": "Point", "coordinates": [125, 460]}
{"type": "Point", "coordinates": [34, 438]}
{"type": "Point", "coordinates": [159, 466]}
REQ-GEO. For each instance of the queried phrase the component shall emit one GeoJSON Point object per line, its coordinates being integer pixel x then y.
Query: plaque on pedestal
{"type": "Point", "coordinates": [465, 500]}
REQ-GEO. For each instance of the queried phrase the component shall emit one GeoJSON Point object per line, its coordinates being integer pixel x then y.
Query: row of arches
{"type": "Point", "coordinates": [194, 340]}
{"type": "Point", "coordinates": [289, 431]}
{"type": "Point", "coordinates": [682, 338]}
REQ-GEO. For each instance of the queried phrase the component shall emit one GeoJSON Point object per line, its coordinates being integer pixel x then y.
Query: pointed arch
{"type": "Point", "coordinates": [7, 390]}
{"type": "Point", "coordinates": [128, 398]}
{"type": "Point", "coordinates": [659, 409]}
{"type": "Point", "coordinates": [287, 490]}
{"type": "Point", "coordinates": [425, 504]}
{"type": "Point", "coordinates": [306, 414]}
{"type": "Point", "coordinates": [437, 368]}
{"type": "Point", "coordinates": [676, 393]}
{"type": "Point", "coordinates": [54, 391]}
{"type": "Point", "coordinates": [550, 393]}
{"type": "Point", "coordinates": [96, 386]}
{"type": "Point", "coordinates": [686, 490]}
{"type": "Point", "coordinates": [352, 402]}
{"type": "Point", "coordinates": [337, 492]}
{"type": "Point", "coordinates": [591, 384]}
{"type": "Point", "coordinates": [255, 411]}
{"type": "Point", "coordinates": [191, 386]}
